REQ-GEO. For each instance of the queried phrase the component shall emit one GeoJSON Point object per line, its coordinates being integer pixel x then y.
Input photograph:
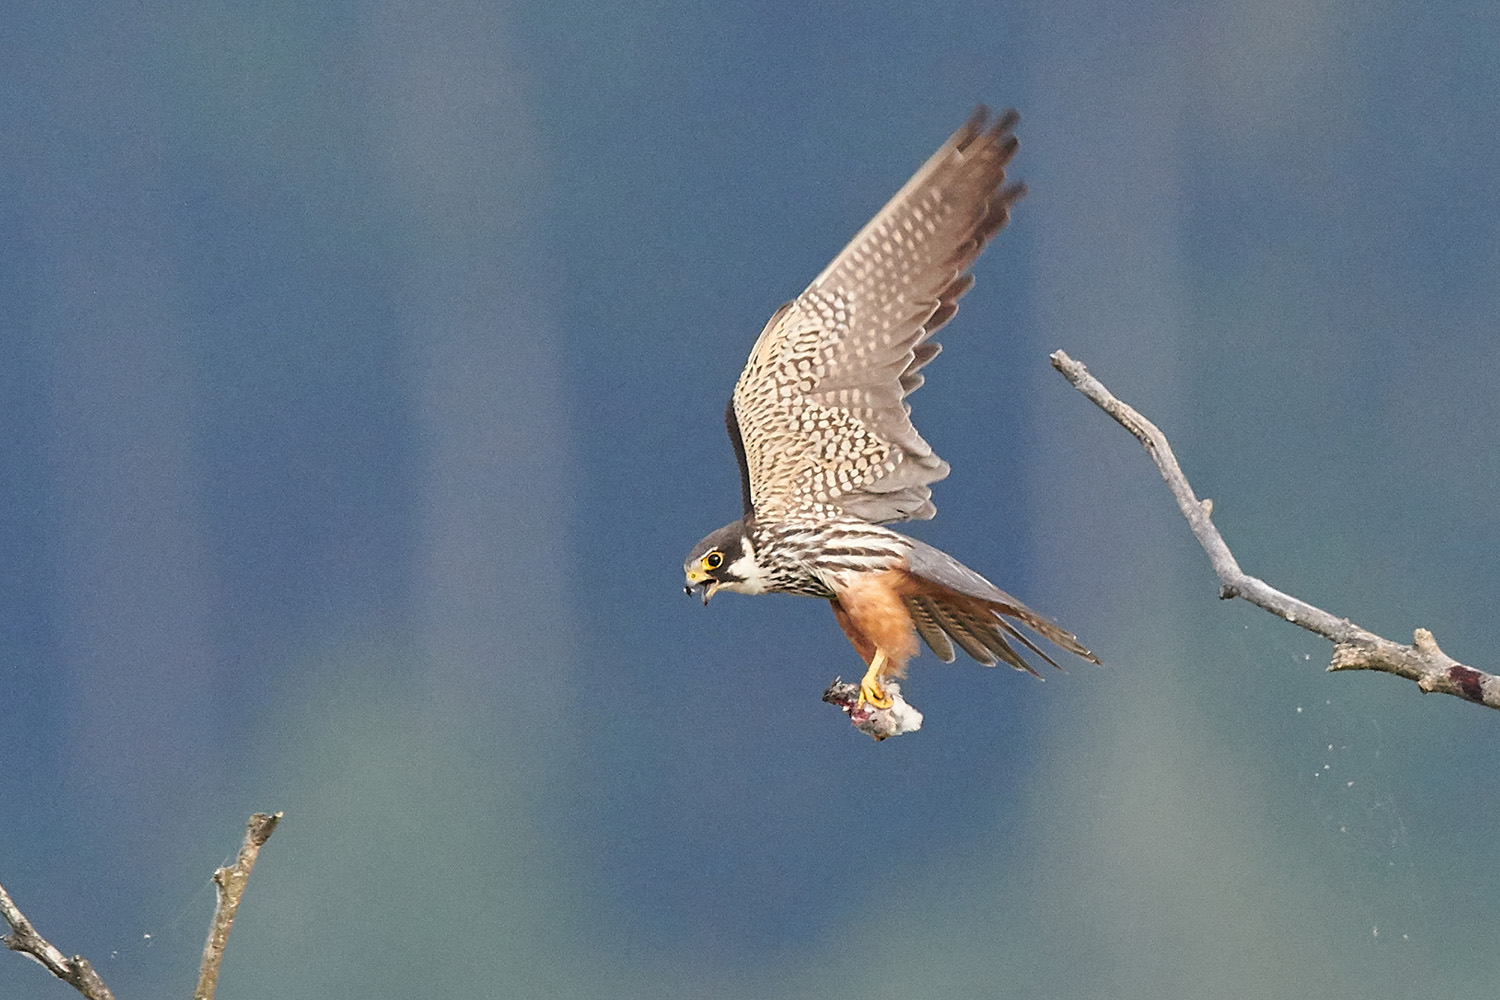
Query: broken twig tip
{"type": "Point", "coordinates": [1354, 648]}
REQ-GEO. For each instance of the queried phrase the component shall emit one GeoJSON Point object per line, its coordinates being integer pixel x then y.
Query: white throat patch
{"type": "Point", "coordinates": [752, 580]}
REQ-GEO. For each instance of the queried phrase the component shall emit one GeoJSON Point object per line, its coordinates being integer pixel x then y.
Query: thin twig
{"type": "Point", "coordinates": [230, 883]}
{"type": "Point", "coordinates": [1354, 647]}
{"type": "Point", "coordinates": [75, 971]}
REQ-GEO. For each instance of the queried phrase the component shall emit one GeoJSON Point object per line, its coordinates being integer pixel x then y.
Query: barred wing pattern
{"type": "Point", "coordinates": [820, 406]}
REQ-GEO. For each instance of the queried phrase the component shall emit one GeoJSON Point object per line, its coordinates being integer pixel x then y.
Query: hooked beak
{"type": "Point", "coordinates": [697, 579]}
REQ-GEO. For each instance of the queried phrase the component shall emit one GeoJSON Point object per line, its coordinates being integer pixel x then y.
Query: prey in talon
{"type": "Point", "coordinates": [828, 455]}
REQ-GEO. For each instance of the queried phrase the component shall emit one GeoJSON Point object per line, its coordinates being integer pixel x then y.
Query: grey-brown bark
{"type": "Point", "coordinates": [1354, 648]}
{"type": "Point", "coordinates": [79, 974]}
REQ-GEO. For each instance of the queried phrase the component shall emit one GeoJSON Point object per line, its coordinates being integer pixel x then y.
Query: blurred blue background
{"type": "Point", "coordinates": [360, 385]}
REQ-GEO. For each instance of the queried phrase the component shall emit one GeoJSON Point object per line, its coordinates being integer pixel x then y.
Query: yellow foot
{"type": "Point", "coordinates": [870, 691]}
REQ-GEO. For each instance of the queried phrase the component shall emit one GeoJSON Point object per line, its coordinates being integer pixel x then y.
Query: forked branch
{"type": "Point", "coordinates": [75, 971]}
{"type": "Point", "coordinates": [79, 974]}
{"type": "Point", "coordinates": [1354, 648]}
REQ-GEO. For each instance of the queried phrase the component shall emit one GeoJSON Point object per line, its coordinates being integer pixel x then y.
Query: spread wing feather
{"type": "Point", "coordinates": [821, 413]}
{"type": "Point", "coordinates": [732, 424]}
{"type": "Point", "coordinates": [928, 619]}
{"type": "Point", "coordinates": [963, 606]}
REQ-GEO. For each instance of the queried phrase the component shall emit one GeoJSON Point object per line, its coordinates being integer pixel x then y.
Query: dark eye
{"type": "Point", "coordinates": [713, 560]}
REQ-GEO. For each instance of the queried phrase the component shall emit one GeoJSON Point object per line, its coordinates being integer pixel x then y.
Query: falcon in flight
{"type": "Point", "coordinates": [827, 451]}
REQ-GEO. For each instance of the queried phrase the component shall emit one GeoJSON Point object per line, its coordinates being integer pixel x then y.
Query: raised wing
{"type": "Point", "coordinates": [820, 407]}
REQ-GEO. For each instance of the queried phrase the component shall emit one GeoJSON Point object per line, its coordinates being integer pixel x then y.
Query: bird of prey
{"type": "Point", "coordinates": [826, 447]}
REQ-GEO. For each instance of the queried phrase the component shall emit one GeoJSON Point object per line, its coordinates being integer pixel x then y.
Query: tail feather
{"type": "Point", "coordinates": [929, 625]}
{"type": "Point", "coordinates": [993, 631]}
{"type": "Point", "coordinates": [958, 626]}
{"type": "Point", "coordinates": [1022, 638]}
{"type": "Point", "coordinates": [1047, 629]}
{"type": "Point", "coordinates": [951, 601]}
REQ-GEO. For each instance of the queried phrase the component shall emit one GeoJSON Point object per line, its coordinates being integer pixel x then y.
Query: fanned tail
{"type": "Point", "coordinates": [951, 604]}
{"type": "Point", "coordinates": [983, 630]}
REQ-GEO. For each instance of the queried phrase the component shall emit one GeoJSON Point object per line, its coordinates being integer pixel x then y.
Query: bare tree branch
{"type": "Point", "coordinates": [75, 971]}
{"type": "Point", "coordinates": [1354, 648]}
{"type": "Point", "coordinates": [79, 974]}
{"type": "Point", "coordinates": [230, 883]}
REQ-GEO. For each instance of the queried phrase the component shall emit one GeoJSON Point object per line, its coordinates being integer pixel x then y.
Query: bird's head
{"type": "Point", "coordinates": [725, 560]}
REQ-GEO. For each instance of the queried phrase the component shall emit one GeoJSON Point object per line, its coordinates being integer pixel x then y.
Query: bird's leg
{"type": "Point", "coordinates": [870, 691]}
